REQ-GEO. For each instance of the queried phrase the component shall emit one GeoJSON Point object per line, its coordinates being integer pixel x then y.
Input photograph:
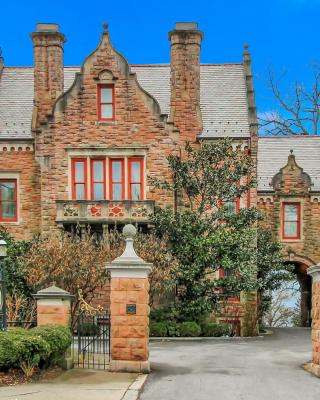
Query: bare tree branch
{"type": "Point", "coordinates": [300, 109]}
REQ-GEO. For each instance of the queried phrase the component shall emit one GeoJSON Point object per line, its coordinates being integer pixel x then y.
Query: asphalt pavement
{"type": "Point", "coordinates": [267, 368]}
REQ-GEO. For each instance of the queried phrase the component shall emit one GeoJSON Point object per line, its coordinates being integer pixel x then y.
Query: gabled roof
{"type": "Point", "coordinates": [273, 154]}
{"type": "Point", "coordinates": [223, 97]}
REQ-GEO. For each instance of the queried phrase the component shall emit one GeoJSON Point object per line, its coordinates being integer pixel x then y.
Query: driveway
{"type": "Point", "coordinates": [267, 368]}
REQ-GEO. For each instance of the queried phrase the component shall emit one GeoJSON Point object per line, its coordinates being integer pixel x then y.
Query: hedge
{"type": "Point", "coordinates": [40, 346]}
{"type": "Point", "coordinates": [188, 329]}
{"type": "Point", "coordinates": [211, 329]}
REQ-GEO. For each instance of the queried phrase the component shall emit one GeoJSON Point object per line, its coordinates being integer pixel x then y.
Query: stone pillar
{"type": "Point", "coordinates": [314, 366]}
{"type": "Point", "coordinates": [129, 307]}
{"type": "Point", "coordinates": [53, 306]}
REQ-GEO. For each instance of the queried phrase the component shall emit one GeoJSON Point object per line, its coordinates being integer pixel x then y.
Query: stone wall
{"type": "Point", "coordinates": [17, 161]}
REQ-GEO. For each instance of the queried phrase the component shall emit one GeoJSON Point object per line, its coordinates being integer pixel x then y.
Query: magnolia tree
{"type": "Point", "coordinates": [205, 236]}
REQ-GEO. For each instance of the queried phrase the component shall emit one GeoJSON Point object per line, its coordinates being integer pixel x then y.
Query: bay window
{"type": "Point", "coordinates": [8, 200]}
{"type": "Point", "coordinates": [291, 217]}
{"type": "Point", "coordinates": [107, 178]}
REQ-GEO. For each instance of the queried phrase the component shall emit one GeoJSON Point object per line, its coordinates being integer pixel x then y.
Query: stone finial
{"type": "Point", "coordinates": [246, 54]}
{"type": "Point", "coordinates": [291, 151]}
{"type": "Point", "coordinates": [129, 260]}
{"type": "Point", "coordinates": [105, 27]}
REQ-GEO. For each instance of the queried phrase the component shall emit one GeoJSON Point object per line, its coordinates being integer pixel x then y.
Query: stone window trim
{"type": "Point", "coordinates": [127, 157]}
{"type": "Point", "coordinates": [297, 237]}
{"type": "Point", "coordinates": [101, 103]}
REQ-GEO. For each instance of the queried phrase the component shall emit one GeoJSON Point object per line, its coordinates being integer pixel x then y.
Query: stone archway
{"type": "Point", "coordinates": [301, 266]}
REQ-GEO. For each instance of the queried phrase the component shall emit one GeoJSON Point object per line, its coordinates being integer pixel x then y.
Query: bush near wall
{"type": "Point", "coordinates": [28, 349]}
{"type": "Point", "coordinates": [188, 329]}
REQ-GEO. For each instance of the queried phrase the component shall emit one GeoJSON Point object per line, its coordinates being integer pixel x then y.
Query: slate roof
{"type": "Point", "coordinates": [223, 97]}
{"type": "Point", "coordinates": [273, 154]}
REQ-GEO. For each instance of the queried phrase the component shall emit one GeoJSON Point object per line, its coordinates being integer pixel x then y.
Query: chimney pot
{"type": "Point", "coordinates": [186, 26]}
{"type": "Point", "coordinates": [47, 27]}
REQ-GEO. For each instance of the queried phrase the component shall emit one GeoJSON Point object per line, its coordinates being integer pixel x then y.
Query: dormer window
{"type": "Point", "coordinates": [106, 111]}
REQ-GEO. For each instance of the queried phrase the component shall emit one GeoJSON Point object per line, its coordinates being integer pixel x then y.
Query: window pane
{"type": "Point", "coordinates": [135, 171]}
{"type": "Point", "coordinates": [116, 171]}
{"type": "Point", "coordinates": [290, 229]}
{"type": "Point", "coordinates": [80, 194]}
{"type": "Point", "coordinates": [98, 191]}
{"type": "Point", "coordinates": [106, 111]}
{"type": "Point", "coordinates": [7, 190]}
{"type": "Point", "coordinates": [230, 206]}
{"type": "Point", "coordinates": [291, 212]}
{"type": "Point", "coordinates": [106, 95]}
{"type": "Point", "coordinates": [97, 170]}
{"type": "Point", "coordinates": [117, 191]}
{"type": "Point", "coordinates": [8, 209]}
{"type": "Point", "coordinates": [79, 171]}
{"type": "Point", "coordinates": [135, 191]}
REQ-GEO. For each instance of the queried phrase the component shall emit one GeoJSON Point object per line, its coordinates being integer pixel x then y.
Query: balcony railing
{"type": "Point", "coordinates": [107, 211]}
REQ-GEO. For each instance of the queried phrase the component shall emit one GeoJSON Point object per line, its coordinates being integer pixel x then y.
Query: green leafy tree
{"type": "Point", "coordinates": [272, 271]}
{"type": "Point", "coordinates": [204, 236]}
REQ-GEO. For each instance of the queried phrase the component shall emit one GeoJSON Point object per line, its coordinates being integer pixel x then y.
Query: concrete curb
{"type": "Point", "coordinates": [134, 390]}
{"type": "Point", "coordinates": [186, 339]}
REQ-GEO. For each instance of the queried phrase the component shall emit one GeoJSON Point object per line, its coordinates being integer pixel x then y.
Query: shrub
{"type": "Point", "coordinates": [28, 349]}
{"type": "Point", "coordinates": [173, 328]}
{"type": "Point", "coordinates": [158, 329]}
{"type": "Point", "coordinates": [189, 329]}
{"type": "Point", "coordinates": [211, 329]}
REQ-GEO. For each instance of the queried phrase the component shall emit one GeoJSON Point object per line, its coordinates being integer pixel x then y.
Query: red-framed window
{"type": "Point", "coordinates": [232, 206]}
{"type": "Point", "coordinates": [226, 273]}
{"type": "Point", "coordinates": [106, 104]}
{"type": "Point", "coordinates": [291, 220]}
{"type": "Point", "coordinates": [8, 200]}
{"type": "Point", "coordinates": [135, 178]}
{"type": "Point", "coordinates": [79, 178]}
{"type": "Point", "coordinates": [98, 178]}
{"type": "Point", "coordinates": [116, 178]}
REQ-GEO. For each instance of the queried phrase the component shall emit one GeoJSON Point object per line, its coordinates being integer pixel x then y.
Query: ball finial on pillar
{"type": "Point", "coordinates": [129, 231]}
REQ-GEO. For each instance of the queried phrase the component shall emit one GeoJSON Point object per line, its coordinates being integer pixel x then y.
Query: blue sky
{"type": "Point", "coordinates": [282, 34]}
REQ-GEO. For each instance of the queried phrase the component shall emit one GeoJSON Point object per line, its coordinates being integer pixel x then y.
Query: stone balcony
{"type": "Point", "coordinates": [104, 211]}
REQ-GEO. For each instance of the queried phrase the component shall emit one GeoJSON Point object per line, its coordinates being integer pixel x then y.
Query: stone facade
{"type": "Point", "coordinates": [291, 185]}
{"type": "Point", "coordinates": [66, 126]}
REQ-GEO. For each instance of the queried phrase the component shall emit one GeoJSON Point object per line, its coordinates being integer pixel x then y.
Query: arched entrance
{"type": "Point", "coordinates": [305, 283]}
{"type": "Point", "coordinates": [300, 267]}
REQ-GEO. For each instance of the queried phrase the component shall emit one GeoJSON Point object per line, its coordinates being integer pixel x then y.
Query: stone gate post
{"type": "Point", "coordinates": [129, 305]}
{"type": "Point", "coordinates": [314, 366]}
{"type": "Point", "coordinates": [53, 306]}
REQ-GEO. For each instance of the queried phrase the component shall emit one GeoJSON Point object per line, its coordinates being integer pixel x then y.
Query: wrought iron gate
{"type": "Point", "coordinates": [91, 340]}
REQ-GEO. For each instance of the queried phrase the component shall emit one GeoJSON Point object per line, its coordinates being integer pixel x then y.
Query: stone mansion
{"type": "Point", "coordinates": [77, 144]}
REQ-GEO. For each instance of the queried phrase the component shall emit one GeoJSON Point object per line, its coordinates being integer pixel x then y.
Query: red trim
{"type": "Point", "coordinates": [298, 205]}
{"type": "Point", "coordinates": [92, 181]}
{"type": "Point", "coordinates": [15, 201]}
{"type": "Point", "coordinates": [73, 162]}
{"type": "Point", "coordinates": [130, 182]}
{"type": "Point", "coordinates": [111, 160]}
{"type": "Point", "coordinates": [100, 103]}
{"type": "Point", "coordinates": [220, 203]}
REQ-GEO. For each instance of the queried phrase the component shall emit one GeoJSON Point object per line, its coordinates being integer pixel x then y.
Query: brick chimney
{"type": "Point", "coordinates": [48, 69]}
{"type": "Point", "coordinates": [185, 80]}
